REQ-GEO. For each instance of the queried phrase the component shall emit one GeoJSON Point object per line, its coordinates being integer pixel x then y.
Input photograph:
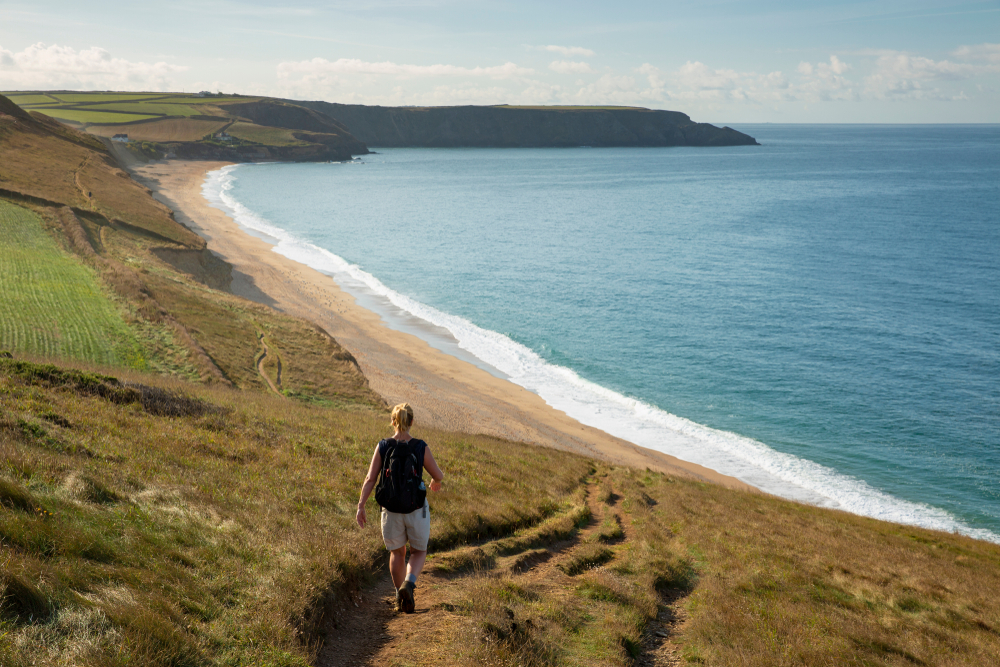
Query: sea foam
{"type": "Point", "coordinates": [562, 388]}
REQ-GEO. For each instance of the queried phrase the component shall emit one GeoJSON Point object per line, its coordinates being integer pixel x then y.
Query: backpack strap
{"type": "Point", "coordinates": [419, 448]}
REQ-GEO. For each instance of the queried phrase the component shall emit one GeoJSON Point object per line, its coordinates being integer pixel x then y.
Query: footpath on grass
{"type": "Point", "coordinates": [497, 597]}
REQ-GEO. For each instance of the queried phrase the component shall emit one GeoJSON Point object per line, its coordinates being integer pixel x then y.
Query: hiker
{"type": "Point", "coordinates": [406, 516]}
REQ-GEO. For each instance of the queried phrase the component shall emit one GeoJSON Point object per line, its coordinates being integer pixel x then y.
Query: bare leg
{"type": "Point", "coordinates": [416, 563]}
{"type": "Point", "coordinates": [397, 565]}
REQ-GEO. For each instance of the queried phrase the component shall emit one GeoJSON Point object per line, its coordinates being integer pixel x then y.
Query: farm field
{"type": "Point", "coordinates": [191, 99]}
{"type": "Point", "coordinates": [31, 98]}
{"type": "Point", "coordinates": [76, 98]}
{"type": "Point", "coordinates": [272, 136]}
{"type": "Point", "coordinates": [81, 116]}
{"type": "Point", "coordinates": [152, 108]}
{"type": "Point", "coordinates": [52, 304]}
{"type": "Point", "coordinates": [140, 114]}
{"type": "Point", "coordinates": [168, 129]}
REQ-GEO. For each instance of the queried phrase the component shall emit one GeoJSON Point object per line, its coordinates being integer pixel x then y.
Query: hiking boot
{"type": "Point", "coordinates": [406, 602]}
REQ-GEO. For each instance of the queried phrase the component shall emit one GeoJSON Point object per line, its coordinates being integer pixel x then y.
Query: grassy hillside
{"type": "Point", "coordinates": [165, 130]}
{"type": "Point", "coordinates": [149, 275]}
{"type": "Point", "coordinates": [224, 535]}
{"type": "Point", "coordinates": [117, 108]}
{"type": "Point", "coordinates": [50, 161]}
{"type": "Point", "coordinates": [216, 536]}
{"type": "Point", "coordinates": [187, 125]}
{"type": "Point", "coordinates": [52, 304]}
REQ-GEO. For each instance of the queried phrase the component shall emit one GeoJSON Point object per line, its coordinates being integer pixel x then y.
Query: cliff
{"type": "Point", "coordinates": [523, 127]}
{"type": "Point", "coordinates": [320, 137]}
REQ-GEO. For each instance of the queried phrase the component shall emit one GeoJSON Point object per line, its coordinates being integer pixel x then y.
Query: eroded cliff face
{"type": "Point", "coordinates": [516, 127]}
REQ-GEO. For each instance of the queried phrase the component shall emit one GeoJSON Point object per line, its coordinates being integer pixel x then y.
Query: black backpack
{"type": "Point", "coordinates": [400, 487]}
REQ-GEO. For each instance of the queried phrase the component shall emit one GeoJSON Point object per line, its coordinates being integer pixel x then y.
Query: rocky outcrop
{"type": "Point", "coordinates": [524, 127]}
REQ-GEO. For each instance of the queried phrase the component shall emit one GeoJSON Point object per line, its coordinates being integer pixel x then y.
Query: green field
{"type": "Point", "coordinates": [191, 99]}
{"type": "Point", "coordinates": [271, 136]}
{"type": "Point", "coordinates": [148, 107]}
{"type": "Point", "coordinates": [80, 116]}
{"type": "Point", "coordinates": [52, 304]}
{"type": "Point", "coordinates": [76, 98]}
{"type": "Point", "coordinates": [30, 98]}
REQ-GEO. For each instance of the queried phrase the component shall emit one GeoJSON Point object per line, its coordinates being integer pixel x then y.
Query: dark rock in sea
{"type": "Point", "coordinates": [524, 127]}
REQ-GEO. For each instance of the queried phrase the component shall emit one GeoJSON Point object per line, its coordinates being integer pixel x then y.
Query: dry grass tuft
{"type": "Point", "coordinates": [586, 557]}
{"type": "Point", "coordinates": [21, 601]}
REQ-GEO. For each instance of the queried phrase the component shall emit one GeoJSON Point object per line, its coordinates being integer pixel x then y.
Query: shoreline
{"type": "Point", "coordinates": [447, 392]}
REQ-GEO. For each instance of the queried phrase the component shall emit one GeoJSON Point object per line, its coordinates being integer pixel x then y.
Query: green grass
{"type": "Point", "coordinates": [30, 98]}
{"type": "Point", "coordinates": [154, 107]}
{"type": "Point", "coordinates": [105, 97]}
{"type": "Point", "coordinates": [52, 304]}
{"type": "Point", "coordinates": [191, 99]}
{"type": "Point", "coordinates": [270, 136]}
{"type": "Point", "coordinates": [81, 116]}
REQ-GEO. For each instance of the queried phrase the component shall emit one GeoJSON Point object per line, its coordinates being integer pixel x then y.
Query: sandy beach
{"type": "Point", "coordinates": [446, 392]}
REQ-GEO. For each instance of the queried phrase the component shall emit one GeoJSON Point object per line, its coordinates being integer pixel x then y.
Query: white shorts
{"type": "Point", "coordinates": [415, 528]}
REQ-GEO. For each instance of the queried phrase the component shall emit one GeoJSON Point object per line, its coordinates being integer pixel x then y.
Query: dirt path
{"type": "Point", "coordinates": [79, 185]}
{"type": "Point", "coordinates": [355, 634]}
{"type": "Point", "coordinates": [260, 365]}
{"type": "Point", "coordinates": [374, 634]}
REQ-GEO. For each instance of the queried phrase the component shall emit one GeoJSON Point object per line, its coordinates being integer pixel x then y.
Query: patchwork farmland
{"type": "Point", "coordinates": [203, 126]}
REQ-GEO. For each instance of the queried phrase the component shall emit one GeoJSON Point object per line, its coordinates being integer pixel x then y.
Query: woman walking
{"type": "Point", "coordinates": [397, 465]}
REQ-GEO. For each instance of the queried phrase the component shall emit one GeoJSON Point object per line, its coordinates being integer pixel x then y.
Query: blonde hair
{"type": "Point", "coordinates": [402, 417]}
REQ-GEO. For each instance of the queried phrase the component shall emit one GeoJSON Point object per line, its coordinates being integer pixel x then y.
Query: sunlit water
{"type": "Point", "coordinates": [818, 316]}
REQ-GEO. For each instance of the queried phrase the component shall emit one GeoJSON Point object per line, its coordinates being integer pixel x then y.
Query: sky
{"type": "Point", "coordinates": [879, 61]}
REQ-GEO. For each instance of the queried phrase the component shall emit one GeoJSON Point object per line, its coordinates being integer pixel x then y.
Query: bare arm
{"type": "Point", "coordinates": [432, 467]}
{"type": "Point", "coordinates": [366, 488]}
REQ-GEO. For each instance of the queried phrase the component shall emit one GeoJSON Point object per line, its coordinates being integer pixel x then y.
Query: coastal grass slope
{"type": "Point", "coordinates": [51, 164]}
{"type": "Point", "coordinates": [53, 305]}
{"type": "Point", "coordinates": [79, 215]}
{"type": "Point", "coordinates": [224, 535]}
{"type": "Point", "coordinates": [158, 523]}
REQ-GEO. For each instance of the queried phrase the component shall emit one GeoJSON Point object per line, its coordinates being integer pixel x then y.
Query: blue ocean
{"type": "Point", "coordinates": [818, 316]}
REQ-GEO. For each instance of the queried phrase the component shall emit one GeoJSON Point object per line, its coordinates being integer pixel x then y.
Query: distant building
{"type": "Point", "coordinates": [203, 93]}
{"type": "Point", "coordinates": [123, 138]}
{"type": "Point", "coordinates": [222, 136]}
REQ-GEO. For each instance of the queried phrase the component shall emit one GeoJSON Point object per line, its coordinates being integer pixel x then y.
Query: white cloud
{"type": "Point", "coordinates": [983, 52]}
{"type": "Point", "coordinates": [609, 89]}
{"type": "Point", "coordinates": [41, 67]}
{"type": "Point", "coordinates": [697, 82]}
{"type": "Point", "coordinates": [569, 67]}
{"type": "Point", "coordinates": [823, 82]}
{"type": "Point", "coordinates": [321, 66]}
{"type": "Point", "coordinates": [901, 75]}
{"type": "Point", "coordinates": [568, 51]}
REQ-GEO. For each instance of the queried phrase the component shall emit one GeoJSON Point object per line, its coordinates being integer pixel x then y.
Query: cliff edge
{"type": "Point", "coordinates": [524, 127]}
